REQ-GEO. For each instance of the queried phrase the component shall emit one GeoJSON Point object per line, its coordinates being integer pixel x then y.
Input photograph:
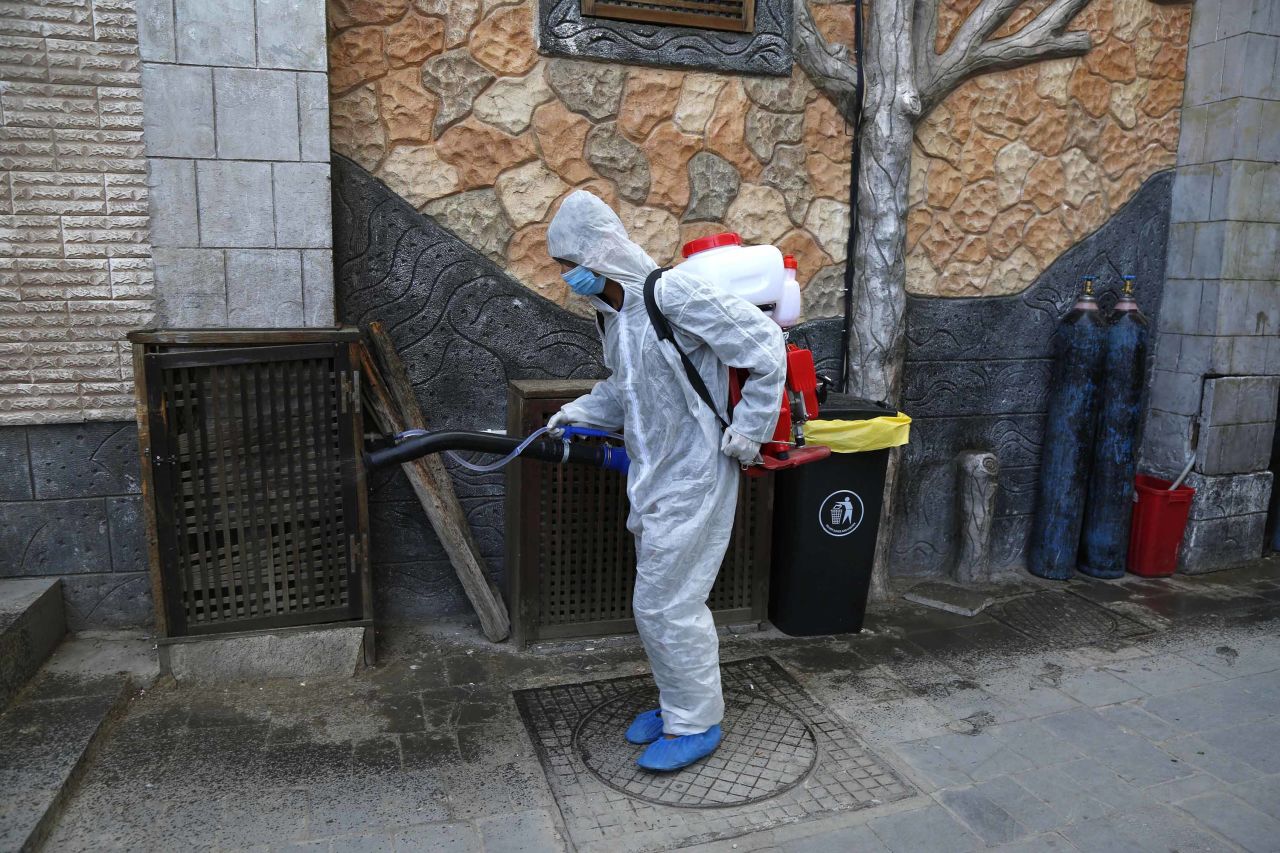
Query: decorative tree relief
{"type": "Point", "coordinates": [907, 75]}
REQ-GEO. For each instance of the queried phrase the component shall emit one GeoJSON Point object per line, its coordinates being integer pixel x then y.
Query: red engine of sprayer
{"type": "Point", "coordinates": [765, 277]}
{"type": "Point", "coordinates": [799, 404]}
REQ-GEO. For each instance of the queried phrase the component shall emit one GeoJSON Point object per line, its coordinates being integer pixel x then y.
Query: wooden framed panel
{"type": "Point", "coordinates": [730, 15]}
{"type": "Point", "coordinates": [570, 558]}
{"type": "Point", "coordinates": [253, 480]}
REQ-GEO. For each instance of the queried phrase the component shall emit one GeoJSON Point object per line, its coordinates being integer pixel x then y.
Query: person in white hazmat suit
{"type": "Point", "coordinates": [683, 482]}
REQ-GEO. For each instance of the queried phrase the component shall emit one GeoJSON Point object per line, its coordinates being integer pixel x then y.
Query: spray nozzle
{"type": "Point", "coordinates": [1088, 286]}
{"type": "Point", "coordinates": [1128, 285]}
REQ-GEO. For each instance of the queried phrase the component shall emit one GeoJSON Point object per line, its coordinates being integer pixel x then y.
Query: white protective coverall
{"type": "Point", "coordinates": [682, 489]}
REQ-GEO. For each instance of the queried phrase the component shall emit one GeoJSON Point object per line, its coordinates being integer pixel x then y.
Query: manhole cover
{"type": "Point", "coordinates": [784, 758]}
{"type": "Point", "coordinates": [1061, 617]}
{"type": "Point", "coordinates": [766, 750]}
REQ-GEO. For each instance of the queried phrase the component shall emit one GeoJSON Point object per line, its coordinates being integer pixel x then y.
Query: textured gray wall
{"type": "Point", "coordinates": [69, 508]}
{"type": "Point", "coordinates": [464, 328]}
{"type": "Point", "coordinates": [1218, 354]}
{"type": "Point", "coordinates": [977, 378]}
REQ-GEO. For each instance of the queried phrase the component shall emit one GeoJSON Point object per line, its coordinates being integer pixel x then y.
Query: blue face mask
{"type": "Point", "coordinates": [583, 281]}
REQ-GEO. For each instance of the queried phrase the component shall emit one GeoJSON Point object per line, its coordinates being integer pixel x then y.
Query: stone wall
{"type": "Point", "coordinates": [75, 267]}
{"type": "Point", "coordinates": [1008, 173]}
{"type": "Point", "coordinates": [1218, 353]}
{"type": "Point", "coordinates": [238, 149]}
{"type": "Point", "coordinates": [1014, 168]}
{"type": "Point", "coordinates": [453, 108]}
{"type": "Point", "coordinates": [69, 508]}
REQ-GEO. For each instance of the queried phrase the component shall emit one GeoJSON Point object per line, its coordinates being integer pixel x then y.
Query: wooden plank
{"type": "Point", "coordinates": [243, 337]}
{"type": "Point", "coordinates": [394, 409]}
{"type": "Point", "coordinates": [160, 593]}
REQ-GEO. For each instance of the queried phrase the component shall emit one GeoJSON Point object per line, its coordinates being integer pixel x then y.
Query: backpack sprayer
{"type": "Point", "coordinates": [766, 278]}
{"type": "Point", "coordinates": [760, 274]}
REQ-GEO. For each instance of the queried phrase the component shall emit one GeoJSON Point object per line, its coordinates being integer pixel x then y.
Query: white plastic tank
{"type": "Point", "coordinates": [755, 273]}
{"type": "Point", "coordinates": [788, 313]}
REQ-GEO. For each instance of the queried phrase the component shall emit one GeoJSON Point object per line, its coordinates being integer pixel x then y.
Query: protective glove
{"type": "Point", "coordinates": [744, 450]}
{"type": "Point", "coordinates": [557, 423]}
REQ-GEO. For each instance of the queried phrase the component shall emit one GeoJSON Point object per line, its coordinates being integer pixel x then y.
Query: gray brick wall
{"type": "Point", "coordinates": [237, 143]}
{"type": "Point", "coordinates": [70, 508]}
{"type": "Point", "coordinates": [1218, 352]}
{"type": "Point", "coordinates": [75, 258]}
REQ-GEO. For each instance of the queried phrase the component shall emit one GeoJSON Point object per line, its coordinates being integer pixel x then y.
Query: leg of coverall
{"type": "Point", "coordinates": [673, 581]}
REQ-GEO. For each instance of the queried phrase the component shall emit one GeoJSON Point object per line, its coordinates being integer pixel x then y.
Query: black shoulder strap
{"type": "Point", "coordinates": [663, 328]}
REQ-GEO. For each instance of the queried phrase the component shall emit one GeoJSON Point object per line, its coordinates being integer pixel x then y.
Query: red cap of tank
{"type": "Point", "coordinates": [789, 262]}
{"type": "Point", "coordinates": [715, 241]}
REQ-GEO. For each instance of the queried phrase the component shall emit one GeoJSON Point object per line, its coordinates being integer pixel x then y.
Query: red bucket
{"type": "Point", "coordinates": [1159, 521]}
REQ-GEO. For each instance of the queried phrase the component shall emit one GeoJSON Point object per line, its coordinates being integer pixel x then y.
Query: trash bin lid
{"type": "Point", "coordinates": [844, 407]}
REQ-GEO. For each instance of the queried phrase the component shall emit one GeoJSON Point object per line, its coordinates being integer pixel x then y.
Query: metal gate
{"type": "Point", "coordinates": [252, 474]}
{"type": "Point", "coordinates": [571, 562]}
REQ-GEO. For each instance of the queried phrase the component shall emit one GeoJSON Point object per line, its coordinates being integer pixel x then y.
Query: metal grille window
{"type": "Point", "coordinates": [571, 561]}
{"type": "Point", "coordinates": [733, 15]}
{"type": "Point", "coordinates": [252, 472]}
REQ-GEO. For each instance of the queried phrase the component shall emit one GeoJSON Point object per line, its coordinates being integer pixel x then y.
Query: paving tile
{"type": "Point", "coordinates": [895, 721]}
{"type": "Point", "coordinates": [1238, 657]}
{"type": "Point", "coordinates": [1265, 686]}
{"type": "Point", "coordinates": [1159, 675]}
{"type": "Point", "coordinates": [1028, 810]}
{"type": "Point", "coordinates": [527, 832]}
{"type": "Point", "coordinates": [1137, 721]}
{"type": "Point", "coordinates": [1026, 694]}
{"type": "Point", "coordinates": [923, 831]}
{"type": "Point", "coordinates": [1104, 784]}
{"type": "Point", "coordinates": [984, 817]}
{"type": "Point", "coordinates": [1035, 743]}
{"type": "Point", "coordinates": [1151, 829]}
{"type": "Point", "coordinates": [1195, 752]}
{"type": "Point", "coordinates": [1213, 706]}
{"type": "Point", "coordinates": [1132, 757]}
{"type": "Point", "coordinates": [927, 760]}
{"type": "Point", "coordinates": [859, 838]}
{"type": "Point", "coordinates": [1182, 789]}
{"type": "Point", "coordinates": [1095, 687]}
{"type": "Point", "coordinates": [982, 756]}
{"type": "Point", "coordinates": [967, 705]}
{"type": "Point", "coordinates": [341, 808]}
{"type": "Point", "coordinates": [1262, 793]}
{"type": "Point", "coordinates": [368, 843]}
{"type": "Point", "coordinates": [1051, 843]}
{"type": "Point", "coordinates": [1254, 744]}
{"type": "Point", "coordinates": [1236, 820]}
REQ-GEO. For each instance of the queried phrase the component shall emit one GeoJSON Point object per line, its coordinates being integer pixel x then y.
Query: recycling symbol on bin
{"type": "Point", "coordinates": [841, 513]}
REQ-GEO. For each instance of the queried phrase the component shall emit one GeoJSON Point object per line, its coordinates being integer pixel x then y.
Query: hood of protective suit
{"type": "Point", "coordinates": [586, 231]}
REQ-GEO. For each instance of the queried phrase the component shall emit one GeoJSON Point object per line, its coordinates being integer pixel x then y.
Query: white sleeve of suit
{"type": "Point", "coordinates": [599, 408]}
{"type": "Point", "coordinates": [740, 335]}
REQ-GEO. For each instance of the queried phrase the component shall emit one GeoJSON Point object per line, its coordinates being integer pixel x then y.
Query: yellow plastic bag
{"type": "Point", "coordinates": [859, 436]}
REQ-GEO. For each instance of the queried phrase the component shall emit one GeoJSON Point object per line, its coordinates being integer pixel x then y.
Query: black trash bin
{"type": "Point", "coordinates": [826, 515]}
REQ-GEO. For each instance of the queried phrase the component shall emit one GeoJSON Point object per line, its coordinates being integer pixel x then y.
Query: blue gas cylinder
{"type": "Point", "coordinates": [1079, 343]}
{"type": "Point", "coordinates": [1105, 545]}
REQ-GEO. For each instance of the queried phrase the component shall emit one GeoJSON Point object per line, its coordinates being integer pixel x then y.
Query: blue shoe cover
{"type": "Point", "coordinates": [647, 727]}
{"type": "Point", "coordinates": [671, 754]}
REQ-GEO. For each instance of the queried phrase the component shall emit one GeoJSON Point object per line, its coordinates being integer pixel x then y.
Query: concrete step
{"type": "Point", "coordinates": [50, 731]}
{"type": "Point", "coordinates": [31, 626]}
